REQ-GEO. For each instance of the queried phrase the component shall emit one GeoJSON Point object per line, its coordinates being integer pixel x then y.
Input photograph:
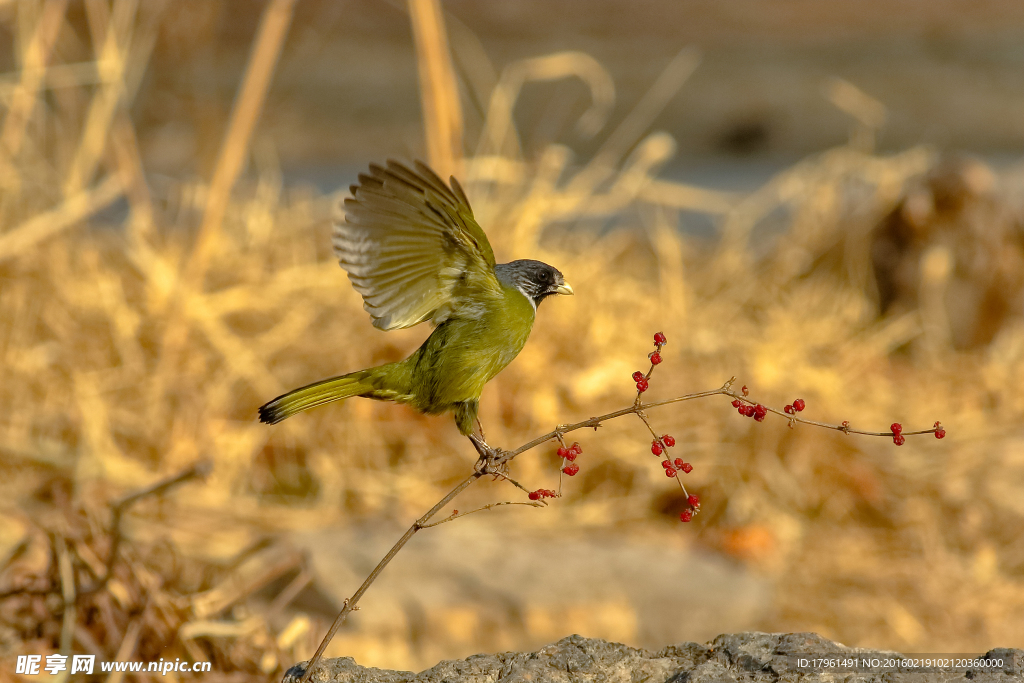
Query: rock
{"type": "Point", "coordinates": [733, 657]}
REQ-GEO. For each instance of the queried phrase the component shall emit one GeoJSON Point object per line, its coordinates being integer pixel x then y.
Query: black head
{"type": "Point", "coordinates": [534, 279]}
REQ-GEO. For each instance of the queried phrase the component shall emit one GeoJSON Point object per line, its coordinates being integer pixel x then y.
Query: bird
{"type": "Point", "coordinates": [415, 253]}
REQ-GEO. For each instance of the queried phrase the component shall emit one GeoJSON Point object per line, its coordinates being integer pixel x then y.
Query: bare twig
{"type": "Point", "coordinates": [845, 427]}
{"type": "Point", "coordinates": [196, 471]}
{"type": "Point", "coordinates": [493, 461]}
{"type": "Point", "coordinates": [350, 604]}
{"type": "Point", "coordinates": [67, 583]}
{"type": "Point", "coordinates": [458, 515]}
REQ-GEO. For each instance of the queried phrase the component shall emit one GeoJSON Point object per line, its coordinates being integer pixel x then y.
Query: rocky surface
{"type": "Point", "coordinates": [735, 657]}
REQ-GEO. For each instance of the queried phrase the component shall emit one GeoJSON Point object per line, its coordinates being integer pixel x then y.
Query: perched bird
{"type": "Point", "coordinates": [414, 252]}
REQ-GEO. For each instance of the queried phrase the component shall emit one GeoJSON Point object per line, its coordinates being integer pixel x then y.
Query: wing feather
{"type": "Point", "coordinates": [412, 248]}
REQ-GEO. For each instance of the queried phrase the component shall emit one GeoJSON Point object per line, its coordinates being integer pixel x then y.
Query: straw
{"type": "Point", "coordinates": [439, 93]}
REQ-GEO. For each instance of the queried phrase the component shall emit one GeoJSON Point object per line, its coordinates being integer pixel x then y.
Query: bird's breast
{"type": "Point", "coordinates": [462, 355]}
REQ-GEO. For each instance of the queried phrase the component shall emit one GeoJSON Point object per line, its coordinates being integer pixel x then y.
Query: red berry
{"type": "Point", "coordinates": [737, 403]}
{"type": "Point", "coordinates": [940, 433]}
{"type": "Point", "coordinates": [789, 410]}
{"type": "Point", "coordinates": [846, 424]}
{"type": "Point", "coordinates": [571, 455]}
{"type": "Point", "coordinates": [669, 441]}
{"type": "Point", "coordinates": [748, 410]}
{"type": "Point", "coordinates": [548, 493]}
{"type": "Point", "coordinates": [641, 386]}
{"type": "Point", "coordinates": [686, 515]}
{"type": "Point", "coordinates": [562, 452]}
{"type": "Point", "coordinates": [744, 390]}
{"type": "Point", "coordinates": [655, 358]}
{"type": "Point", "coordinates": [656, 448]}
{"type": "Point", "coordinates": [666, 464]}
{"type": "Point", "coordinates": [535, 495]}
{"type": "Point", "coordinates": [678, 462]}
{"type": "Point", "coordinates": [571, 469]}
{"type": "Point", "coordinates": [899, 439]}
{"type": "Point", "coordinates": [693, 500]}
{"type": "Point", "coordinates": [896, 428]}
{"type": "Point", "coordinates": [637, 376]}
{"type": "Point", "coordinates": [686, 467]}
{"type": "Point", "coordinates": [759, 418]}
{"type": "Point", "coordinates": [670, 472]}
{"type": "Point", "coordinates": [659, 338]}
{"type": "Point", "coordinates": [576, 447]}
{"type": "Point", "coordinates": [759, 412]}
{"type": "Point", "coordinates": [799, 405]}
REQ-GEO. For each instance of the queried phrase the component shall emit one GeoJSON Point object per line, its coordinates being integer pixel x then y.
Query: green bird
{"type": "Point", "coordinates": [414, 252]}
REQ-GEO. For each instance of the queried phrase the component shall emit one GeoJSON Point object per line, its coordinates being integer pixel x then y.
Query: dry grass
{"type": "Point", "coordinates": [118, 371]}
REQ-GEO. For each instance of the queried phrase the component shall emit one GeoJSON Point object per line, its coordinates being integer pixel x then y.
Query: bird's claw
{"type": "Point", "coordinates": [492, 460]}
{"type": "Point", "coordinates": [492, 465]}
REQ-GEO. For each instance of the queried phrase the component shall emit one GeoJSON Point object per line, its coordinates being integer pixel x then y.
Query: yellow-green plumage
{"type": "Point", "coordinates": [414, 251]}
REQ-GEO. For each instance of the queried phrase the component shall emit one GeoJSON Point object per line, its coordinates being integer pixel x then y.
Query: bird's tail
{"type": "Point", "coordinates": [361, 383]}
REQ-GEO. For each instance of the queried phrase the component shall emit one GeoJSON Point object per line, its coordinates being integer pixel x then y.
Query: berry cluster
{"type": "Point", "coordinates": [795, 407]}
{"type": "Point", "coordinates": [687, 514]}
{"type": "Point", "coordinates": [642, 380]}
{"type": "Point", "coordinates": [897, 433]}
{"type": "Point", "coordinates": [569, 455]}
{"type": "Point", "coordinates": [660, 445]}
{"type": "Point", "coordinates": [757, 411]}
{"type": "Point", "coordinates": [672, 467]}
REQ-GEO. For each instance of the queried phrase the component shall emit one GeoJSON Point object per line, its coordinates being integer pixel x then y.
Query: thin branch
{"type": "Point", "coordinates": [459, 515]}
{"type": "Point", "coordinates": [493, 461]}
{"type": "Point", "coordinates": [595, 422]}
{"type": "Point", "coordinates": [496, 459]}
{"type": "Point", "coordinates": [350, 604]}
{"type": "Point", "coordinates": [196, 471]}
{"type": "Point", "coordinates": [844, 428]}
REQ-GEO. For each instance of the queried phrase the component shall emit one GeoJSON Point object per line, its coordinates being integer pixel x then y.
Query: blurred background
{"type": "Point", "coordinates": [821, 199]}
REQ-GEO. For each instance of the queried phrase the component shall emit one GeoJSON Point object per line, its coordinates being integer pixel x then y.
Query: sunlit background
{"type": "Point", "coordinates": [824, 200]}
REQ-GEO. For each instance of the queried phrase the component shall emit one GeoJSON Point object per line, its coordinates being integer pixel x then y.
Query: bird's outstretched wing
{"type": "Point", "coordinates": [412, 248]}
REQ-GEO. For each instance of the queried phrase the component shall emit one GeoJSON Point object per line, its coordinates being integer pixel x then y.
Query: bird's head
{"type": "Point", "coordinates": [534, 279]}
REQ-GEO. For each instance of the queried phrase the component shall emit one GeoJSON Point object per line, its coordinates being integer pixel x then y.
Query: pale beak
{"type": "Point", "coordinates": [564, 288]}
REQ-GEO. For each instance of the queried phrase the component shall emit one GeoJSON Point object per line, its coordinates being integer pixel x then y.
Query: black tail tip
{"type": "Point", "coordinates": [269, 414]}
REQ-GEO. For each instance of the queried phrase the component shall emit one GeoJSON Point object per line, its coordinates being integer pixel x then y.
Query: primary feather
{"type": "Point", "coordinates": [412, 248]}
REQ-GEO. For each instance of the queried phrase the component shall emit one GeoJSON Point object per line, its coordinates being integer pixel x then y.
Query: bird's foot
{"type": "Point", "coordinates": [492, 460]}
